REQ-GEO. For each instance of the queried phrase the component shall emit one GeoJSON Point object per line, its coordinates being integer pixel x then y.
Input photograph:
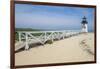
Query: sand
{"type": "Point", "coordinates": [78, 48]}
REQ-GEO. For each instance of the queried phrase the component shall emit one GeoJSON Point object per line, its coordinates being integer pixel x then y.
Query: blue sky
{"type": "Point", "coordinates": [52, 17]}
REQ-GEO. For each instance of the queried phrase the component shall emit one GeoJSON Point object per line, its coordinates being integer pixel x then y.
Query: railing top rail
{"type": "Point", "coordinates": [48, 31]}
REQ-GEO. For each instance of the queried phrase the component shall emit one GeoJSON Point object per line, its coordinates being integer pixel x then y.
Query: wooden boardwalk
{"type": "Point", "coordinates": [27, 38]}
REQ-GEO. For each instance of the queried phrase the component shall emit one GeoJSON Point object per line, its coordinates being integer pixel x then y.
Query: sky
{"type": "Point", "coordinates": [52, 17]}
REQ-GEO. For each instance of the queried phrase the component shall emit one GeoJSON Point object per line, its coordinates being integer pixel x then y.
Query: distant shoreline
{"type": "Point", "coordinates": [31, 29]}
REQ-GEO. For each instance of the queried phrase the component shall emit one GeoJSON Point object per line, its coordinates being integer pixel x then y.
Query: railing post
{"type": "Point", "coordinates": [52, 36]}
{"type": "Point", "coordinates": [57, 35]}
{"type": "Point", "coordinates": [63, 34]}
{"type": "Point", "coordinates": [45, 37]}
{"type": "Point", "coordinates": [19, 34]}
{"type": "Point", "coordinates": [26, 43]}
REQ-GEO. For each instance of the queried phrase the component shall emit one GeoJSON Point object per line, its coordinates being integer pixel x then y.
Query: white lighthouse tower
{"type": "Point", "coordinates": [84, 25]}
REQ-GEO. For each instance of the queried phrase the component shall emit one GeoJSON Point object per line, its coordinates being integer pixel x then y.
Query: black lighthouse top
{"type": "Point", "coordinates": [84, 21]}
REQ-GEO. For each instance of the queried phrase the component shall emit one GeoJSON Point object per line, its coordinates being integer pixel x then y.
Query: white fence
{"type": "Point", "coordinates": [27, 38]}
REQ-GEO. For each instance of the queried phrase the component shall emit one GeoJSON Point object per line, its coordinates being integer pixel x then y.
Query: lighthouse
{"type": "Point", "coordinates": [84, 25]}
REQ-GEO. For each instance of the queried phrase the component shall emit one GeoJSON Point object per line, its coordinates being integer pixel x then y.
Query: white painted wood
{"type": "Point", "coordinates": [52, 36]}
{"type": "Point", "coordinates": [44, 36]}
{"type": "Point", "coordinates": [26, 42]}
{"type": "Point", "coordinates": [37, 39]}
{"type": "Point", "coordinates": [19, 33]}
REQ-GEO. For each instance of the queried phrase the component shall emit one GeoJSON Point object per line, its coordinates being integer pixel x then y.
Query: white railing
{"type": "Point", "coordinates": [29, 37]}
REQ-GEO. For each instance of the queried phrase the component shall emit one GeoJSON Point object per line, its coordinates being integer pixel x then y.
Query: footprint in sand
{"type": "Point", "coordinates": [85, 46]}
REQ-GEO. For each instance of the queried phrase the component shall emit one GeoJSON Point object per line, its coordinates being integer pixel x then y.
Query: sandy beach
{"type": "Point", "coordinates": [78, 48]}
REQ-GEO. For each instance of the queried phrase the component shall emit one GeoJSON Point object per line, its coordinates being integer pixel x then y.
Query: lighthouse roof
{"type": "Point", "coordinates": [84, 17]}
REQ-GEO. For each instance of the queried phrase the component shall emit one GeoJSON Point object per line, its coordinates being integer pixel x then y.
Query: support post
{"type": "Point", "coordinates": [59, 35]}
{"type": "Point", "coordinates": [52, 36]}
{"type": "Point", "coordinates": [63, 34]}
{"type": "Point", "coordinates": [19, 34]}
{"type": "Point", "coordinates": [26, 43]}
{"type": "Point", "coordinates": [45, 37]}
